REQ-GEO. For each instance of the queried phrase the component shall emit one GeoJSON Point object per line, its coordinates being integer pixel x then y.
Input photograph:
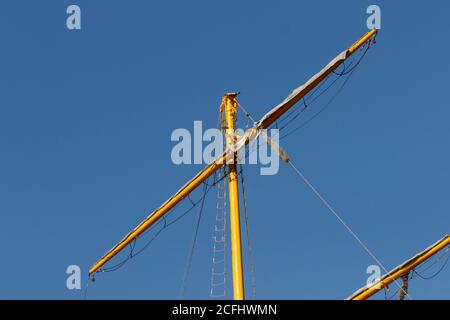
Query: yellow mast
{"type": "Point", "coordinates": [209, 170]}
{"type": "Point", "coordinates": [366, 292]}
{"type": "Point", "coordinates": [229, 105]}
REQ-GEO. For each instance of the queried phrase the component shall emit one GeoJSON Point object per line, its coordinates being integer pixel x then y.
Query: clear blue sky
{"type": "Point", "coordinates": [86, 118]}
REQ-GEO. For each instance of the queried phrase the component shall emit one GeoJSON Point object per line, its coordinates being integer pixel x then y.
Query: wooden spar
{"type": "Point", "coordinates": [366, 292]}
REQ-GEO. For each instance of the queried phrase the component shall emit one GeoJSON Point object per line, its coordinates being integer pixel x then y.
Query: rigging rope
{"type": "Point", "coordinates": [86, 288]}
{"type": "Point", "coordinates": [392, 296]}
{"type": "Point", "coordinates": [333, 211]}
{"type": "Point", "coordinates": [166, 224]}
{"type": "Point", "coordinates": [325, 106]}
{"type": "Point", "coordinates": [420, 274]}
{"type": "Point", "coordinates": [191, 251]}
{"type": "Point", "coordinates": [312, 97]}
{"type": "Point", "coordinates": [249, 245]}
{"type": "Point", "coordinates": [247, 114]}
{"type": "Point", "coordinates": [309, 99]}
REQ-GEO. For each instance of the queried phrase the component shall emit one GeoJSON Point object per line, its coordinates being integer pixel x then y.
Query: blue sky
{"type": "Point", "coordinates": [86, 118]}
